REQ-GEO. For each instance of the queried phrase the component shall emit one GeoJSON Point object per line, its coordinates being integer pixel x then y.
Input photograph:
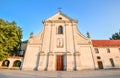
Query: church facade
{"type": "Point", "coordinates": [61, 47]}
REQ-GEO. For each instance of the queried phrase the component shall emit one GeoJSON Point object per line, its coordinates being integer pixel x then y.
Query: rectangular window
{"type": "Point", "coordinates": [112, 62]}
{"type": "Point", "coordinates": [96, 50]}
{"type": "Point", "coordinates": [108, 50]}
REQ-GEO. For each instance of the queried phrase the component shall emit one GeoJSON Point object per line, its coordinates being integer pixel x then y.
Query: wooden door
{"type": "Point", "coordinates": [59, 61]}
{"type": "Point", "coordinates": [100, 65]}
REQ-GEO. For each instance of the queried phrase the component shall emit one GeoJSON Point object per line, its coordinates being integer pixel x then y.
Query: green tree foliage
{"type": "Point", "coordinates": [3, 55]}
{"type": "Point", "coordinates": [116, 36]}
{"type": "Point", "coordinates": [10, 38]}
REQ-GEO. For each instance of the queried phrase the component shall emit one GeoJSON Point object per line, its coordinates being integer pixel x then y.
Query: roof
{"type": "Point", "coordinates": [15, 57]}
{"type": "Point", "coordinates": [66, 16]}
{"type": "Point", "coordinates": [61, 14]}
{"type": "Point", "coordinates": [103, 43]}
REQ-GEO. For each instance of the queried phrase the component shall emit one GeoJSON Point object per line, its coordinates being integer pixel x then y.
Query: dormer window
{"type": "Point", "coordinates": [60, 18]}
{"type": "Point", "coordinates": [60, 30]}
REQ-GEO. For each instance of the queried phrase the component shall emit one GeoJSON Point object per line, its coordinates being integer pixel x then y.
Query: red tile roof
{"type": "Point", "coordinates": [100, 43]}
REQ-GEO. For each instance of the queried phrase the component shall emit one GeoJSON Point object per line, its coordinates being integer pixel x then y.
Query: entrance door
{"type": "Point", "coordinates": [59, 62]}
{"type": "Point", "coordinates": [100, 65]}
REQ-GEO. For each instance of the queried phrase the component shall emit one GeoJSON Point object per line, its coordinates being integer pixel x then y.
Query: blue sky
{"type": "Point", "coordinates": [99, 17]}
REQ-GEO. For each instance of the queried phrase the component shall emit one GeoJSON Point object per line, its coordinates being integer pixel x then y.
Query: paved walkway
{"type": "Point", "coordinates": [60, 74]}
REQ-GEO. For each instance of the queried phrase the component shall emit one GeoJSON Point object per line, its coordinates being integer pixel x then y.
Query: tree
{"type": "Point", "coordinates": [3, 55]}
{"type": "Point", "coordinates": [10, 38]}
{"type": "Point", "coordinates": [116, 36]}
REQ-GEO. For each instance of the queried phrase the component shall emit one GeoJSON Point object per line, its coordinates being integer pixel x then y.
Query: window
{"type": "Point", "coordinates": [60, 30]}
{"type": "Point", "coordinates": [98, 57]}
{"type": "Point", "coordinates": [108, 50]}
{"type": "Point", "coordinates": [112, 62]}
{"type": "Point", "coordinates": [96, 50]}
{"type": "Point", "coordinates": [59, 18]}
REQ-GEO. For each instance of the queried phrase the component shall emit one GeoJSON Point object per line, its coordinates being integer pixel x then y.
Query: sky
{"type": "Point", "coordinates": [101, 18]}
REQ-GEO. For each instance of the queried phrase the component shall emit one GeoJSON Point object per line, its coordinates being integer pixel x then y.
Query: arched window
{"type": "Point", "coordinates": [17, 63]}
{"type": "Point", "coordinates": [60, 30]}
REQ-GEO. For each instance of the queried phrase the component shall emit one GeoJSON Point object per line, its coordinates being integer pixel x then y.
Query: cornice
{"type": "Point", "coordinates": [60, 21]}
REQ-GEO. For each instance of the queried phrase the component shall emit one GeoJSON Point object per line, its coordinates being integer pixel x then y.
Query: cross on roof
{"type": "Point", "coordinates": [59, 9]}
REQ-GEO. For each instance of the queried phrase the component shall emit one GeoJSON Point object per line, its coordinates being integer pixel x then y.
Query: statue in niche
{"type": "Point", "coordinates": [59, 43]}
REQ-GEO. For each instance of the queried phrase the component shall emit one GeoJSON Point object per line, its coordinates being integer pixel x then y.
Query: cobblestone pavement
{"type": "Point", "coordinates": [60, 74]}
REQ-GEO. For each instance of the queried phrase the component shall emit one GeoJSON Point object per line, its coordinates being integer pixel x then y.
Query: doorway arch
{"type": "Point", "coordinates": [17, 63]}
{"type": "Point", "coordinates": [6, 63]}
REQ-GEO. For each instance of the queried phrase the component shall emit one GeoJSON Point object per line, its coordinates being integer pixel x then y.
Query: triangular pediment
{"type": "Point", "coordinates": [60, 16]}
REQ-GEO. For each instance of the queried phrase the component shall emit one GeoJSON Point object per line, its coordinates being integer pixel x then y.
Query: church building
{"type": "Point", "coordinates": [60, 46]}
